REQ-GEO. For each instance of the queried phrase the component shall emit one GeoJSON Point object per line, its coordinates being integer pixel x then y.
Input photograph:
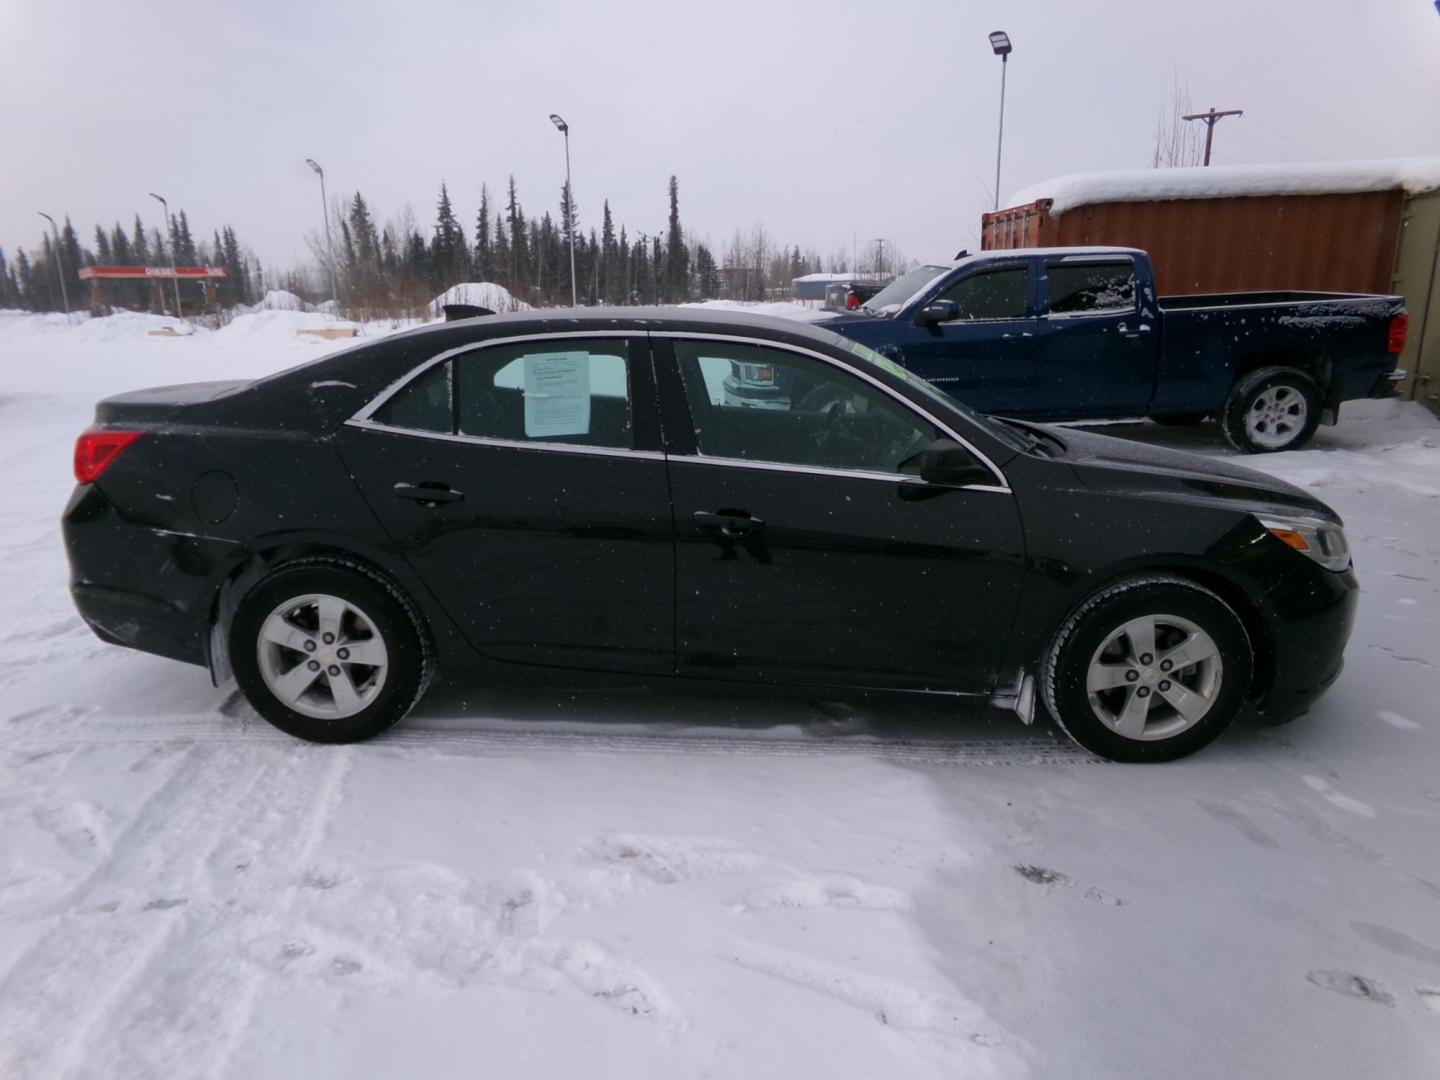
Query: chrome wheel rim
{"type": "Point", "coordinates": [322, 656]}
{"type": "Point", "coordinates": [1276, 417]}
{"type": "Point", "coordinates": [1154, 677]}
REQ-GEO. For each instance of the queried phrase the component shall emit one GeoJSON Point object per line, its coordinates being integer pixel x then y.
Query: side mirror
{"type": "Point", "coordinates": [945, 461]}
{"type": "Point", "coordinates": [938, 311]}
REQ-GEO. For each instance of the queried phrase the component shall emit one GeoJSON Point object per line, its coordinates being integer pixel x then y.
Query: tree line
{"type": "Point", "coordinates": [395, 269]}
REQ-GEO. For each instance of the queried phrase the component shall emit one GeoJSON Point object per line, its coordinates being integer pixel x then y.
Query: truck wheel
{"type": "Point", "coordinates": [1271, 409]}
{"type": "Point", "coordinates": [1148, 669]}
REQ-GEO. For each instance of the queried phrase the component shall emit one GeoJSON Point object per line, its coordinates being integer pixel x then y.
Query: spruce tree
{"type": "Point", "coordinates": [677, 260]}
{"type": "Point", "coordinates": [519, 248]}
{"type": "Point", "coordinates": [609, 262]}
{"type": "Point", "coordinates": [484, 252]}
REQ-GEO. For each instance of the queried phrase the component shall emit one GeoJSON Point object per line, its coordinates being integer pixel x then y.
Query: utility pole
{"type": "Point", "coordinates": [880, 257]}
{"type": "Point", "coordinates": [1212, 118]}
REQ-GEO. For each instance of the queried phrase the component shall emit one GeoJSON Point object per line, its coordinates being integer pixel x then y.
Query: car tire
{"type": "Point", "coordinates": [1127, 697]}
{"type": "Point", "coordinates": [1271, 409]}
{"type": "Point", "coordinates": [329, 651]}
{"type": "Point", "coordinates": [1184, 419]}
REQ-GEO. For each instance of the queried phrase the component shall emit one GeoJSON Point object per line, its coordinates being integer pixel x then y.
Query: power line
{"type": "Point", "coordinates": [1281, 135]}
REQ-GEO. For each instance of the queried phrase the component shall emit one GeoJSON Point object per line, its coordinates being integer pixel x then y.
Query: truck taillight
{"type": "Point", "coordinates": [851, 301]}
{"type": "Point", "coordinates": [1399, 326]}
{"type": "Point", "coordinates": [96, 448]}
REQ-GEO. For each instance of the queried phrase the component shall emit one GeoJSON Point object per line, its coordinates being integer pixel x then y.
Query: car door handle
{"type": "Point", "coordinates": [728, 524]}
{"type": "Point", "coordinates": [428, 492]}
{"type": "Point", "coordinates": [1143, 328]}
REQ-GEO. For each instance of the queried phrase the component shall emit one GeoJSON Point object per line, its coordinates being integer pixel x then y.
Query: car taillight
{"type": "Point", "coordinates": [851, 301]}
{"type": "Point", "coordinates": [1399, 326]}
{"type": "Point", "coordinates": [96, 449]}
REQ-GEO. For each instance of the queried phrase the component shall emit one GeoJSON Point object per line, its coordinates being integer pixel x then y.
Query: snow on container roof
{"type": "Point", "coordinates": [1415, 175]}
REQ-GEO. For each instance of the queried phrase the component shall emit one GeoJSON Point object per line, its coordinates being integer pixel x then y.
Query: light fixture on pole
{"type": "Point", "coordinates": [329, 246]}
{"type": "Point", "coordinates": [59, 263]}
{"type": "Point", "coordinates": [1000, 42]}
{"type": "Point", "coordinates": [570, 203]}
{"type": "Point", "coordinates": [174, 277]}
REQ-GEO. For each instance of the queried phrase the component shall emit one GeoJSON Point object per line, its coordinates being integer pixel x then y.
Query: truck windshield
{"type": "Point", "coordinates": [893, 297]}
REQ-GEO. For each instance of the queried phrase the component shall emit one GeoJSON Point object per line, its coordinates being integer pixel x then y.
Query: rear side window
{"type": "Point", "coordinates": [424, 405]}
{"type": "Point", "coordinates": [552, 391]}
{"type": "Point", "coordinates": [1083, 288]}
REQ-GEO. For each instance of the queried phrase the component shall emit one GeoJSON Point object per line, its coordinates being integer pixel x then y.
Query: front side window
{"type": "Point", "coordinates": [575, 391]}
{"type": "Point", "coordinates": [755, 403]}
{"type": "Point", "coordinates": [1091, 288]}
{"type": "Point", "coordinates": [998, 294]}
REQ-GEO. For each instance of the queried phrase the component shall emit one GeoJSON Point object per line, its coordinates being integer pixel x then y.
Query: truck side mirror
{"type": "Point", "coordinates": [938, 311]}
{"type": "Point", "coordinates": [945, 461]}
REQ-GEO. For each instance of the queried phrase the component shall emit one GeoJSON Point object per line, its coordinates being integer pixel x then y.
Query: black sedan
{"type": "Point", "coordinates": [584, 495]}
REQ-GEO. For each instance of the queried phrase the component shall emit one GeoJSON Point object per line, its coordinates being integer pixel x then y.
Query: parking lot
{"type": "Point", "coordinates": [645, 882]}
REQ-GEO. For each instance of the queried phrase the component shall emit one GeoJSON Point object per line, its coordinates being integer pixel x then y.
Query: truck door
{"type": "Point", "coordinates": [1098, 343]}
{"type": "Point", "coordinates": [985, 356]}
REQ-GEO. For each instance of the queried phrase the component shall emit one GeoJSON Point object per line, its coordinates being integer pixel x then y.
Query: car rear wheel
{"type": "Point", "coordinates": [328, 651]}
{"type": "Point", "coordinates": [1271, 409]}
{"type": "Point", "coordinates": [1149, 669]}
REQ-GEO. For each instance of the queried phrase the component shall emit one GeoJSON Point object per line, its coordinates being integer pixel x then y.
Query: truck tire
{"type": "Point", "coordinates": [1271, 409]}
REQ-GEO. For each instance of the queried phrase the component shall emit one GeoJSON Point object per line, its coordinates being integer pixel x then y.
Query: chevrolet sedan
{"type": "Point", "coordinates": [550, 497]}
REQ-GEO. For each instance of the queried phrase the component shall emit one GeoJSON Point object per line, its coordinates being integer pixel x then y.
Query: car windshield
{"type": "Point", "coordinates": [892, 298]}
{"type": "Point", "coordinates": [1005, 434]}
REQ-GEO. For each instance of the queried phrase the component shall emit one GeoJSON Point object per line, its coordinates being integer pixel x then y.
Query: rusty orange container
{"type": "Point", "coordinates": [1239, 243]}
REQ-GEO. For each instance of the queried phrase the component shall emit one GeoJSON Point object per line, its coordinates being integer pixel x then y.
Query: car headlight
{"type": "Point", "coordinates": [1322, 541]}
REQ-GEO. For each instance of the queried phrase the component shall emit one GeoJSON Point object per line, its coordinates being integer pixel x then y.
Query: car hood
{"type": "Point", "coordinates": [1103, 462]}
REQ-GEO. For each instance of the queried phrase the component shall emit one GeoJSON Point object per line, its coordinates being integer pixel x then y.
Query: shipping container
{"type": "Point", "coordinates": [1346, 227]}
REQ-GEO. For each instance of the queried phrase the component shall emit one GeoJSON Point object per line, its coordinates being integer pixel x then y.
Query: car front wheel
{"type": "Point", "coordinates": [328, 651]}
{"type": "Point", "coordinates": [1149, 669]}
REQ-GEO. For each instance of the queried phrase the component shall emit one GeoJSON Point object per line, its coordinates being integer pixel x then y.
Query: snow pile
{"type": "Point", "coordinates": [280, 300]}
{"type": "Point", "coordinates": [281, 325]}
{"type": "Point", "coordinates": [486, 294]}
{"type": "Point", "coordinates": [1414, 175]}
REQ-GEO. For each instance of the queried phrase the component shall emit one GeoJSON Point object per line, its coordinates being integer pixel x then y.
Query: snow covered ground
{"type": "Point", "coordinates": [557, 885]}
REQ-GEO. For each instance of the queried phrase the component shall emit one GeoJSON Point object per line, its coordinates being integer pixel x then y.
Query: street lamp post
{"type": "Point", "coordinates": [329, 245]}
{"type": "Point", "coordinates": [59, 263]}
{"type": "Point", "coordinates": [1000, 42]}
{"type": "Point", "coordinates": [174, 277]}
{"type": "Point", "coordinates": [570, 203]}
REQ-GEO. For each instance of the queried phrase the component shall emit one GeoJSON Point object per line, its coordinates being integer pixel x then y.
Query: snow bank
{"type": "Point", "coordinates": [1414, 175]}
{"type": "Point", "coordinates": [280, 300]}
{"type": "Point", "coordinates": [480, 293]}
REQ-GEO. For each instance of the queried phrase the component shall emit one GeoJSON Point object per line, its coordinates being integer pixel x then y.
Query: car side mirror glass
{"type": "Point", "coordinates": [938, 311]}
{"type": "Point", "coordinates": [945, 461]}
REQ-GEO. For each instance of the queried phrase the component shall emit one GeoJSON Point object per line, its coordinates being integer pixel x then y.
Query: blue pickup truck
{"type": "Point", "coordinates": [1080, 333]}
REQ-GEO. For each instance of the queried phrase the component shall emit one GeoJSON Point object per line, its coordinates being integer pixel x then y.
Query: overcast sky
{"type": "Point", "coordinates": [824, 120]}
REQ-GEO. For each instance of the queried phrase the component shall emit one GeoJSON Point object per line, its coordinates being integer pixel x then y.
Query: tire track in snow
{"type": "Point", "coordinates": [182, 1000]}
{"type": "Point", "coordinates": [75, 977]}
{"type": "Point", "coordinates": [306, 841]}
{"type": "Point", "coordinates": [415, 738]}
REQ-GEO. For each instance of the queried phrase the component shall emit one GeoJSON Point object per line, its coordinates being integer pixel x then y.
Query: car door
{"type": "Point", "coordinates": [807, 549]}
{"type": "Point", "coordinates": [1097, 346]}
{"type": "Point", "coordinates": [985, 356]}
{"type": "Point", "coordinates": [525, 483]}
